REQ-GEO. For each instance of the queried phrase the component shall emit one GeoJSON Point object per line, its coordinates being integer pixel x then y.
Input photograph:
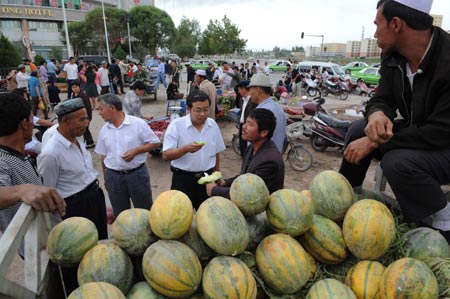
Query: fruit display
{"type": "Point", "coordinates": [250, 194]}
{"type": "Point", "coordinates": [318, 243]}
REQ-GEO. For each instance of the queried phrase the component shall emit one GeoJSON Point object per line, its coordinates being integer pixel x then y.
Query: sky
{"type": "Point", "coordinates": [269, 23]}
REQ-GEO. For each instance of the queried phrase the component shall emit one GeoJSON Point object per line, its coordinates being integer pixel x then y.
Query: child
{"type": "Point", "coordinates": [53, 94]}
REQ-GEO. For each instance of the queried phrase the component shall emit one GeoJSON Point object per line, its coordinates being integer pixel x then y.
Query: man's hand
{"type": "Point", "coordinates": [129, 155]}
{"type": "Point", "coordinates": [193, 147]}
{"type": "Point", "coordinates": [358, 150]}
{"type": "Point", "coordinates": [209, 188]}
{"type": "Point", "coordinates": [42, 198]}
{"type": "Point", "coordinates": [379, 128]}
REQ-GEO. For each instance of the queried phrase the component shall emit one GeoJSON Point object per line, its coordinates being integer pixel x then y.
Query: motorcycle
{"type": "Point", "coordinates": [337, 87]}
{"type": "Point", "coordinates": [372, 92]}
{"type": "Point", "coordinates": [360, 88]}
{"type": "Point", "coordinates": [326, 130]}
{"type": "Point", "coordinates": [310, 85]}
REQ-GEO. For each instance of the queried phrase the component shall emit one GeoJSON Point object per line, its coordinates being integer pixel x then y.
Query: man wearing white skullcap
{"type": "Point", "coordinates": [407, 123]}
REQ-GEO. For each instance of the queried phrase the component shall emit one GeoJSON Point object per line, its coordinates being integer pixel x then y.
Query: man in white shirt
{"type": "Point", "coordinates": [124, 142]}
{"type": "Point", "coordinates": [161, 74]}
{"type": "Point", "coordinates": [71, 73]}
{"type": "Point", "coordinates": [22, 78]}
{"type": "Point", "coordinates": [192, 143]}
{"type": "Point", "coordinates": [104, 77]}
{"type": "Point", "coordinates": [65, 164]}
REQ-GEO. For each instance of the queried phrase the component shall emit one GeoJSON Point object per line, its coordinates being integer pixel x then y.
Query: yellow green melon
{"type": "Point", "coordinates": [330, 288]}
{"type": "Point", "coordinates": [364, 279]}
{"type": "Point", "coordinates": [171, 215]}
{"type": "Point", "coordinates": [70, 239]}
{"type": "Point", "coordinates": [249, 193]}
{"type": "Point", "coordinates": [97, 290]}
{"type": "Point", "coordinates": [369, 229]}
{"type": "Point", "coordinates": [131, 231]}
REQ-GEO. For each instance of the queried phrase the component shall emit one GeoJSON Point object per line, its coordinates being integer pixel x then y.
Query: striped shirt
{"type": "Point", "coordinates": [15, 169]}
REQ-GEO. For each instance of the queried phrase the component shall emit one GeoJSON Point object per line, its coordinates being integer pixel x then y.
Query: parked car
{"type": "Point", "coordinates": [370, 75]}
{"type": "Point", "coordinates": [354, 66]}
{"type": "Point", "coordinates": [200, 64]}
{"type": "Point", "coordinates": [333, 69]}
{"type": "Point", "coordinates": [280, 65]}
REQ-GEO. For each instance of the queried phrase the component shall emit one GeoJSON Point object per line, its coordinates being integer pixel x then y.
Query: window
{"type": "Point", "coordinates": [10, 25]}
{"type": "Point", "coordinates": [43, 26]}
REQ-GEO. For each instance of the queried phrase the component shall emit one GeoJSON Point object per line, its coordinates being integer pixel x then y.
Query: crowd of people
{"type": "Point", "coordinates": [414, 149]}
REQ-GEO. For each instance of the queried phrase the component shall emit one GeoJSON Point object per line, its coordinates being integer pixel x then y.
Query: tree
{"type": "Point", "coordinates": [151, 27]}
{"type": "Point", "coordinates": [221, 38]}
{"type": "Point", "coordinates": [38, 59]}
{"type": "Point", "coordinates": [56, 52]}
{"type": "Point", "coordinates": [80, 34]}
{"type": "Point", "coordinates": [115, 23]}
{"type": "Point", "coordinates": [119, 53]}
{"type": "Point", "coordinates": [186, 38]}
{"type": "Point", "coordinates": [9, 54]}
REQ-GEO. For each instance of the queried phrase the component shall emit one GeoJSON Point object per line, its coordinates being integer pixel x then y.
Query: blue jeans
{"type": "Point", "coordinates": [161, 78]}
{"type": "Point", "coordinates": [122, 187]}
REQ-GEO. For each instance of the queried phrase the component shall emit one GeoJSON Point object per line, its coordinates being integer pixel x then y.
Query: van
{"type": "Point", "coordinates": [333, 69]}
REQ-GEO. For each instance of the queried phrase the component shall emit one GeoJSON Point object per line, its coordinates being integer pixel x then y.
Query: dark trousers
{"type": "Point", "coordinates": [415, 176]}
{"type": "Point", "coordinates": [119, 83]}
{"type": "Point", "coordinates": [69, 88]}
{"type": "Point", "coordinates": [105, 89]}
{"type": "Point", "coordinates": [89, 203]}
{"type": "Point", "coordinates": [88, 137]}
{"type": "Point", "coordinates": [187, 183]}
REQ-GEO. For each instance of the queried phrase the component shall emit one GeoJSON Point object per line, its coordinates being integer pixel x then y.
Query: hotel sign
{"type": "Point", "coordinates": [26, 12]}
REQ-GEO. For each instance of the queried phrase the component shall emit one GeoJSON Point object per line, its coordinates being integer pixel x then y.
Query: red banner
{"type": "Point", "coordinates": [54, 3]}
{"type": "Point", "coordinates": [38, 2]}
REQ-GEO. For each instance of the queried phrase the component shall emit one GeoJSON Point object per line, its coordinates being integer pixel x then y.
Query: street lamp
{"type": "Point", "coordinates": [69, 54]}
{"type": "Point", "coordinates": [129, 36]}
{"type": "Point", "coordinates": [317, 35]}
{"type": "Point", "coordinates": [106, 33]}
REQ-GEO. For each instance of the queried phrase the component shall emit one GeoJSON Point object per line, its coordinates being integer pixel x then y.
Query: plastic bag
{"type": "Point", "coordinates": [41, 105]}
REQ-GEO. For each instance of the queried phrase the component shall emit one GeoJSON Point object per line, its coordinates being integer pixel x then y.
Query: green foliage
{"type": "Point", "coordinates": [56, 52]}
{"type": "Point", "coordinates": [151, 27]}
{"type": "Point", "coordinates": [9, 54]}
{"type": "Point", "coordinates": [119, 53]}
{"type": "Point", "coordinates": [38, 59]}
{"type": "Point", "coordinates": [186, 38]}
{"type": "Point", "coordinates": [221, 38]}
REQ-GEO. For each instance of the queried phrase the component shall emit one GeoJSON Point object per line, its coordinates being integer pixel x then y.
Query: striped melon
{"type": "Point", "coordinates": [248, 258]}
{"type": "Point", "coordinates": [228, 277]}
{"type": "Point", "coordinates": [312, 265]}
{"type": "Point", "coordinates": [283, 264]}
{"type": "Point", "coordinates": [70, 239]}
{"type": "Point", "coordinates": [424, 242]}
{"type": "Point", "coordinates": [249, 193]}
{"type": "Point", "coordinates": [369, 229]}
{"type": "Point", "coordinates": [172, 268]}
{"type": "Point", "coordinates": [258, 229]}
{"type": "Point", "coordinates": [97, 290]}
{"type": "Point", "coordinates": [131, 231]}
{"type": "Point", "coordinates": [324, 241]}
{"type": "Point", "coordinates": [171, 215]}
{"type": "Point", "coordinates": [222, 226]}
{"type": "Point", "coordinates": [192, 239]}
{"type": "Point", "coordinates": [330, 289]}
{"type": "Point", "coordinates": [289, 212]}
{"type": "Point", "coordinates": [408, 278]}
{"type": "Point", "coordinates": [332, 194]}
{"type": "Point", "coordinates": [364, 279]}
{"type": "Point", "coordinates": [108, 263]}
{"type": "Point", "coordinates": [142, 290]}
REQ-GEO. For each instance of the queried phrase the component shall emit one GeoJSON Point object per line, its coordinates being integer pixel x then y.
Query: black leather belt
{"type": "Point", "coordinates": [191, 173]}
{"type": "Point", "coordinates": [92, 186]}
{"type": "Point", "coordinates": [127, 171]}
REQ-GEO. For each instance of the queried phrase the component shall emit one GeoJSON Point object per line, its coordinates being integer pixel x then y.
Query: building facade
{"type": "Point", "coordinates": [353, 49]}
{"type": "Point", "coordinates": [437, 20]}
{"type": "Point", "coordinates": [334, 49]}
{"type": "Point", "coordinates": [36, 25]}
{"type": "Point", "coordinates": [369, 48]}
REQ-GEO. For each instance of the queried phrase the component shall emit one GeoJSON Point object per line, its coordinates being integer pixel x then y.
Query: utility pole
{"type": "Point", "coordinates": [106, 33]}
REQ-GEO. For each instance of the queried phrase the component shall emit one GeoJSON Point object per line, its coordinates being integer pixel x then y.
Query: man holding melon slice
{"type": "Point", "coordinates": [192, 143]}
{"type": "Point", "coordinates": [407, 121]}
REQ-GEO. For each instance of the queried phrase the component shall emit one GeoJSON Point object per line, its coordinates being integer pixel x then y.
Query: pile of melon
{"type": "Point", "coordinates": [316, 244]}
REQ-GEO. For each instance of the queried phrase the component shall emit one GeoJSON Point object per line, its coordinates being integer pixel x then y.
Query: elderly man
{"type": "Point", "coordinates": [19, 180]}
{"type": "Point", "coordinates": [260, 91]}
{"type": "Point", "coordinates": [192, 143]}
{"type": "Point", "coordinates": [66, 165]}
{"type": "Point", "coordinates": [261, 157]}
{"type": "Point", "coordinates": [209, 88]}
{"type": "Point", "coordinates": [415, 83]}
{"type": "Point", "coordinates": [124, 142]}
{"type": "Point", "coordinates": [71, 72]}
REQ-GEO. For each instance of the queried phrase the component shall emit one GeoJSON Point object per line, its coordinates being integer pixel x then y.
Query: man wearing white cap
{"type": "Point", "coordinates": [415, 83]}
{"type": "Point", "coordinates": [203, 84]}
{"type": "Point", "coordinates": [260, 91]}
